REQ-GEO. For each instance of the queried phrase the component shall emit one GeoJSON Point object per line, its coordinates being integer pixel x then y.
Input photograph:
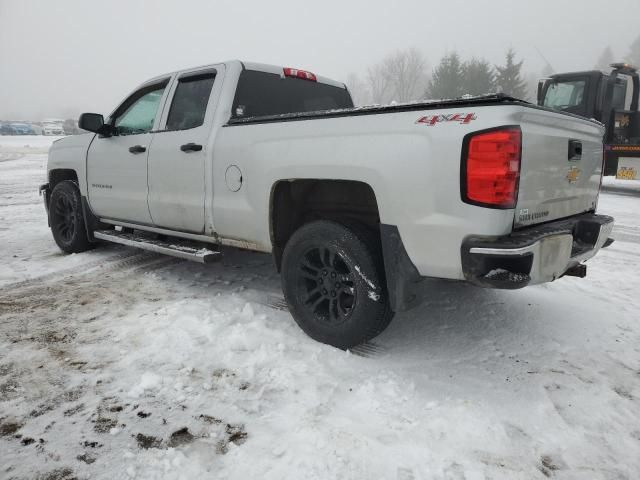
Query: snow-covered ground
{"type": "Point", "coordinates": [117, 364]}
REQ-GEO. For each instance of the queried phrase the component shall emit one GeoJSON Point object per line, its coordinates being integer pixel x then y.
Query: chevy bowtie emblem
{"type": "Point", "coordinates": [573, 174]}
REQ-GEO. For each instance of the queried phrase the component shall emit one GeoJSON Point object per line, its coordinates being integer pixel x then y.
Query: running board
{"type": "Point", "coordinates": [174, 247]}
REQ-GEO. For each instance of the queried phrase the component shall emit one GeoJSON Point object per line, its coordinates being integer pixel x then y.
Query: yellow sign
{"type": "Point", "coordinates": [626, 173]}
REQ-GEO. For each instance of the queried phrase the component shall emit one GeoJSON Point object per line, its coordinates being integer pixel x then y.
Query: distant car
{"type": "Point", "coordinates": [23, 129]}
{"type": "Point", "coordinates": [52, 129]}
{"type": "Point", "coordinates": [70, 127]}
{"type": "Point", "coordinates": [7, 129]}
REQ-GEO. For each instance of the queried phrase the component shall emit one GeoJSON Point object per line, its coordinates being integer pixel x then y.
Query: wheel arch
{"type": "Point", "coordinates": [294, 202]}
{"type": "Point", "coordinates": [58, 175]}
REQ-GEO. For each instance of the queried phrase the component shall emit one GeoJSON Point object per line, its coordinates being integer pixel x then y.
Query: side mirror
{"type": "Point", "coordinates": [94, 122]}
{"type": "Point", "coordinates": [542, 84]}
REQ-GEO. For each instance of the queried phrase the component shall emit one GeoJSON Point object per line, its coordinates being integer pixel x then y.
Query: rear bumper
{"type": "Point", "coordinates": [537, 254]}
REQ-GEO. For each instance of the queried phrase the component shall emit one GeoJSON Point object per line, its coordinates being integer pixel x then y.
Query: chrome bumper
{"type": "Point", "coordinates": [535, 255]}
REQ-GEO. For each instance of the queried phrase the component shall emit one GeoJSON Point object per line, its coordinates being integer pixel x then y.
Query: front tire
{"type": "Point", "coordinates": [66, 218]}
{"type": "Point", "coordinates": [334, 284]}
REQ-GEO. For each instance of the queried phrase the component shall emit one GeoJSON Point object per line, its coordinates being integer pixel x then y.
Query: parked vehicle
{"type": "Point", "coordinates": [70, 127]}
{"type": "Point", "coordinates": [16, 128]}
{"type": "Point", "coordinates": [23, 129]}
{"type": "Point", "coordinates": [52, 129]}
{"type": "Point", "coordinates": [611, 98]}
{"type": "Point", "coordinates": [7, 129]}
{"type": "Point", "coordinates": [357, 206]}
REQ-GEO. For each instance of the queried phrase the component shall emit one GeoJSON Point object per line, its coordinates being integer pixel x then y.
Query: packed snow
{"type": "Point", "coordinates": [118, 364]}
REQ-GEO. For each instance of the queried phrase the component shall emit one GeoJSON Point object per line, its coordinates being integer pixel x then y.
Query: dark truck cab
{"type": "Point", "coordinates": [612, 99]}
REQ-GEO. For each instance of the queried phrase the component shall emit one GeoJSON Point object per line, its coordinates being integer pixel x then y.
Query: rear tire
{"type": "Point", "coordinates": [333, 281]}
{"type": "Point", "coordinates": [66, 218]}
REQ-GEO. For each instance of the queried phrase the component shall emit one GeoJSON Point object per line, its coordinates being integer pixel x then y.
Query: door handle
{"type": "Point", "coordinates": [191, 147]}
{"type": "Point", "coordinates": [575, 150]}
{"type": "Point", "coordinates": [137, 149]}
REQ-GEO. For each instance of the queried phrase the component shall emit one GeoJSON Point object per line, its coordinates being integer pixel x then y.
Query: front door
{"type": "Point", "coordinates": [117, 165]}
{"type": "Point", "coordinates": [177, 158]}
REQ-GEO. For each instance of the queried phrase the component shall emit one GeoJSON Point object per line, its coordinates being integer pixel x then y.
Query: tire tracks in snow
{"type": "Point", "coordinates": [121, 260]}
{"type": "Point", "coordinates": [57, 295]}
{"type": "Point", "coordinates": [10, 156]}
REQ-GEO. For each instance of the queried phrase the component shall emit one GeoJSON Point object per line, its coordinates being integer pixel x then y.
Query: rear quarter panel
{"type": "Point", "coordinates": [413, 168]}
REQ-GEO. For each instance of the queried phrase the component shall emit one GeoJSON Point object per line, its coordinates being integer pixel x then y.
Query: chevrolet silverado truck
{"type": "Point", "coordinates": [357, 205]}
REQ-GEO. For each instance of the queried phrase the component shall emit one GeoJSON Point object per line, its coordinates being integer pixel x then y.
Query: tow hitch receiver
{"type": "Point", "coordinates": [579, 271]}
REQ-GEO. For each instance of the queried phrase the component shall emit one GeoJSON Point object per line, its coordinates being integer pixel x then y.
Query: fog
{"type": "Point", "coordinates": [64, 57]}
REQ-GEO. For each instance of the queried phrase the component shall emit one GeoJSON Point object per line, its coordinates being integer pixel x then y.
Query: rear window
{"type": "Point", "coordinates": [568, 96]}
{"type": "Point", "coordinates": [261, 93]}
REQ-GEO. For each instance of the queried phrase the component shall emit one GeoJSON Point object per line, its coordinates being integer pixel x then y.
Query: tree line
{"type": "Point", "coordinates": [405, 76]}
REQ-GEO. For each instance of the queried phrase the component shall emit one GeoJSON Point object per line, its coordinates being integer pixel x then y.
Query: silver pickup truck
{"type": "Point", "coordinates": [357, 205]}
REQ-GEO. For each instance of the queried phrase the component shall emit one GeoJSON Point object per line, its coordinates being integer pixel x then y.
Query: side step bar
{"type": "Point", "coordinates": [175, 247]}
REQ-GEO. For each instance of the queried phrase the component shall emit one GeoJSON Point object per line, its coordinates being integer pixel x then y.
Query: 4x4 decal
{"type": "Point", "coordinates": [462, 118]}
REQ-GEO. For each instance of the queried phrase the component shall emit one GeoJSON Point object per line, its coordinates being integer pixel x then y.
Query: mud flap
{"type": "Point", "coordinates": [91, 222]}
{"type": "Point", "coordinates": [404, 282]}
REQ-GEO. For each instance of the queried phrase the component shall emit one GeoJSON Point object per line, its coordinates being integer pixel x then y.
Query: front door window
{"type": "Point", "coordinates": [138, 113]}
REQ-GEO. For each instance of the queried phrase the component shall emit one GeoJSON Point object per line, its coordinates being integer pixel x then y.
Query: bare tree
{"type": "Point", "coordinates": [378, 81]}
{"type": "Point", "coordinates": [358, 90]}
{"type": "Point", "coordinates": [401, 77]}
{"type": "Point", "coordinates": [408, 70]}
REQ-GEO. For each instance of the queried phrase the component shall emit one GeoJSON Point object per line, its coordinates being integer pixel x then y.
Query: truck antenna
{"type": "Point", "coordinates": [544, 58]}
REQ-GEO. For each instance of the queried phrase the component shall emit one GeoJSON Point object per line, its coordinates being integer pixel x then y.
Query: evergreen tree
{"type": "Point", "coordinates": [508, 77]}
{"type": "Point", "coordinates": [478, 77]}
{"type": "Point", "coordinates": [605, 60]}
{"type": "Point", "coordinates": [447, 78]}
{"type": "Point", "coordinates": [634, 53]}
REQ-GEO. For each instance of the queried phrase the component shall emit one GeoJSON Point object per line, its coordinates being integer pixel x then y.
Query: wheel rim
{"type": "Point", "coordinates": [65, 217]}
{"type": "Point", "coordinates": [326, 285]}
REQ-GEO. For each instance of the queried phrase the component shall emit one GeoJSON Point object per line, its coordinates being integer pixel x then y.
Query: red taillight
{"type": "Point", "coordinates": [491, 167]}
{"type": "Point", "coordinates": [295, 73]}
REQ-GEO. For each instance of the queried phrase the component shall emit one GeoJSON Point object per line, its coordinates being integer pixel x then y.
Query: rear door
{"type": "Point", "coordinates": [177, 159]}
{"type": "Point", "coordinates": [117, 165]}
{"type": "Point", "coordinates": [561, 166]}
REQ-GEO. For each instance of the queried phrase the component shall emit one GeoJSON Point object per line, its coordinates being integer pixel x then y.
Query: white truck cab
{"type": "Point", "coordinates": [356, 205]}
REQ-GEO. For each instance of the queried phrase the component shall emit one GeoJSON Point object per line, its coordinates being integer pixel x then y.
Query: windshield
{"type": "Point", "coordinates": [568, 96]}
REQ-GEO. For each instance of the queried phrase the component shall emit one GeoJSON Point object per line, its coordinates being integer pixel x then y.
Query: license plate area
{"type": "Point", "coordinates": [628, 168]}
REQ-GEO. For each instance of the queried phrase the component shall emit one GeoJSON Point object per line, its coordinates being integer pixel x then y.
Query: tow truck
{"type": "Point", "coordinates": [612, 99]}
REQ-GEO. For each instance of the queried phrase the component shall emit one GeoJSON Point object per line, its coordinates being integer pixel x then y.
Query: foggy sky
{"type": "Point", "coordinates": [60, 58]}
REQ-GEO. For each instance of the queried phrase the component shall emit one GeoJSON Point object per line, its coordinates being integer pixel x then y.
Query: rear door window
{"type": "Point", "coordinates": [190, 100]}
{"type": "Point", "coordinates": [262, 93]}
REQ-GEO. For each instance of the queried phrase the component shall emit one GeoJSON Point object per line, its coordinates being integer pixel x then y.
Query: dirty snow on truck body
{"type": "Point", "coordinates": [118, 363]}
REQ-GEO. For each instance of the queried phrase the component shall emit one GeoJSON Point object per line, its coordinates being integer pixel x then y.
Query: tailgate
{"type": "Point", "coordinates": [561, 166]}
